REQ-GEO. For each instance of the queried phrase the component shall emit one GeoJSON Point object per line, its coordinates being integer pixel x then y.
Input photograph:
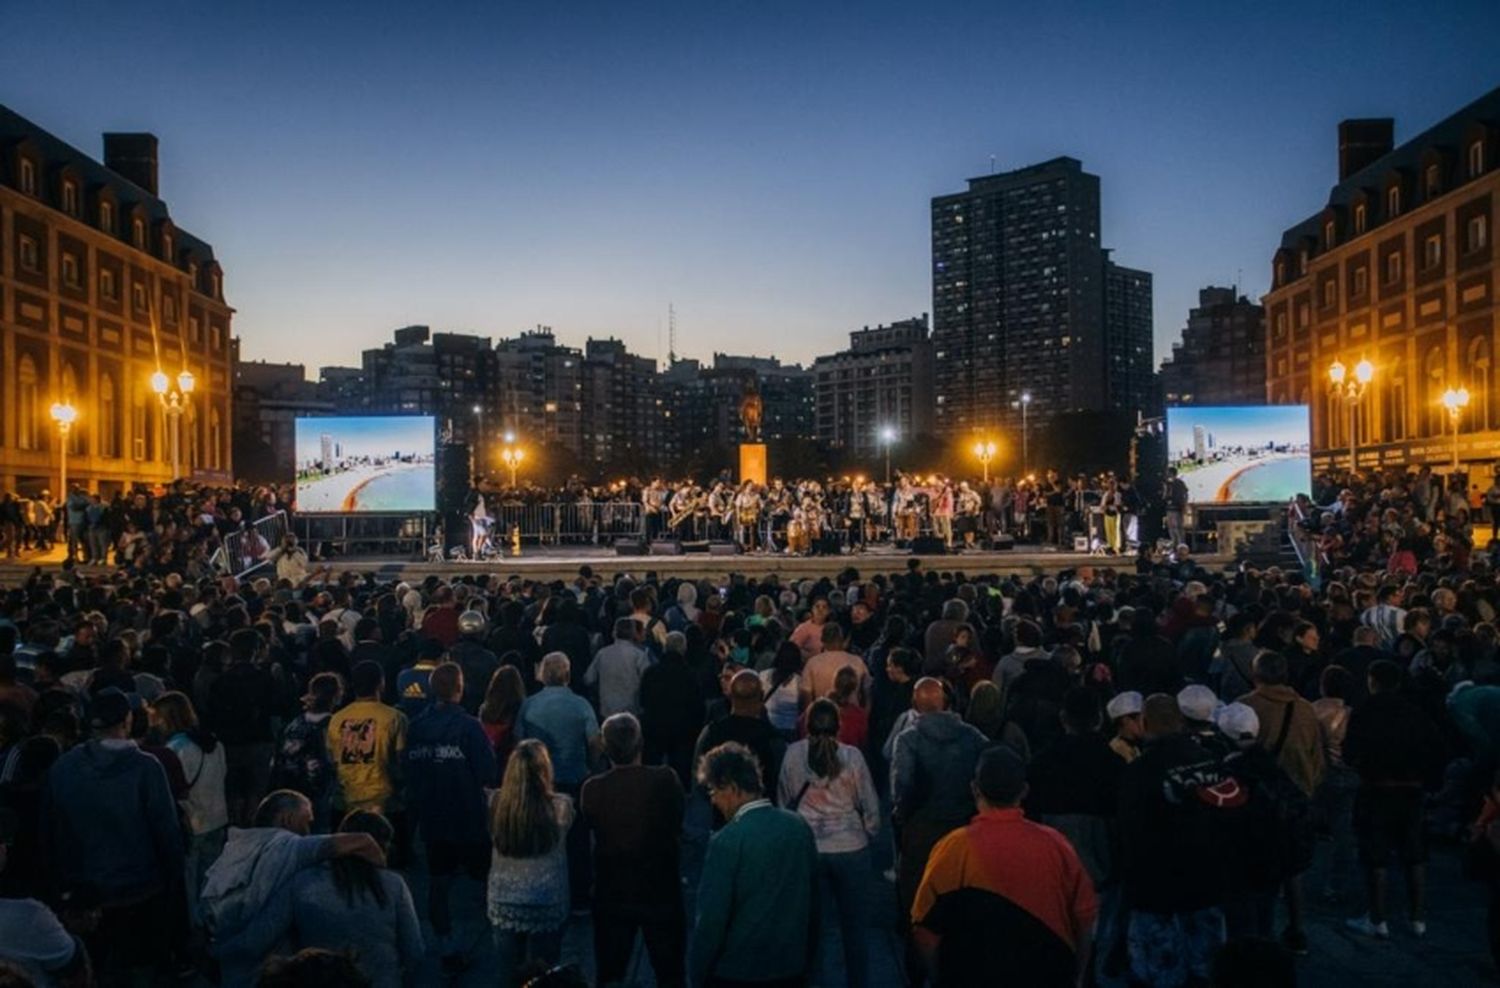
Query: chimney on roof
{"type": "Point", "coordinates": [132, 157]}
{"type": "Point", "coordinates": [1363, 141]}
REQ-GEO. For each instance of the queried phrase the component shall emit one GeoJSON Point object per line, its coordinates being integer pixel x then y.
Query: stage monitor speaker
{"type": "Point", "coordinates": [1002, 543]}
{"type": "Point", "coordinates": [723, 548]}
{"type": "Point", "coordinates": [928, 545]}
{"type": "Point", "coordinates": [666, 547]}
{"type": "Point", "coordinates": [630, 547]}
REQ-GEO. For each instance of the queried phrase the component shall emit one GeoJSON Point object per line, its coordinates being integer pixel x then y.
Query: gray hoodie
{"type": "Point", "coordinates": [932, 768]}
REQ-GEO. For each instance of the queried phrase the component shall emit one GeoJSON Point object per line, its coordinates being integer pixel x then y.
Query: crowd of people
{"type": "Point", "coordinates": [1107, 775]}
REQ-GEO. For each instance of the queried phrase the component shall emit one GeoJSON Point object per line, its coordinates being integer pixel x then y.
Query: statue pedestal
{"type": "Point", "coordinates": [753, 462]}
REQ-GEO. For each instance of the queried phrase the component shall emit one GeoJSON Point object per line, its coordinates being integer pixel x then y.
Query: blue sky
{"type": "Point", "coordinates": [1237, 426]}
{"type": "Point", "coordinates": [765, 167]}
{"type": "Point", "coordinates": [366, 436]}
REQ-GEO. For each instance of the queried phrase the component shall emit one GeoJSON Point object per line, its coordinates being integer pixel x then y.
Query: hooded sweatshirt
{"type": "Point", "coordinates": [109, 820]}
{"type": "Point", "coordinates": [932, 767]}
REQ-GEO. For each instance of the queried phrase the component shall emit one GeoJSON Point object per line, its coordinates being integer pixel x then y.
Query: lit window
{"type": "Point", "coordinates": [70, 198]}
{"type": "Point", "coordinates": [1476, 234]}
{"type": "Point", "coordinates": [28, 177]}
{"type": "Point", "coordinates": [1359, 218]}
{"type": "Point", "coordinates": [138, 233]}
{"type": "Point", "coordinates": [1432, 181]}
{"type": "Point", "coordinates": [1328, 235]}
{"type": "Point", "coordinates": [1476, 159]}
{"type": "Point", "coordinates": [1432, 252]}
{"type": "Point", "coordinates": [1392, 202]}
{"type": "Point", "coordinates": [30, 258]}
{"type": "Point", "coordinates": [107, 217]}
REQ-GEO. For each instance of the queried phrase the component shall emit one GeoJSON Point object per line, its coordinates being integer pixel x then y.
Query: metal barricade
{"type": "Point", "coordinates": [245, 551]}
{"type": "Point", "coordinates": [591, 523]}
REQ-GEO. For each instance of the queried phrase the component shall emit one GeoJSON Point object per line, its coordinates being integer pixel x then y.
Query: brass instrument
{"type": "Point", "coordinates": [692, 506]}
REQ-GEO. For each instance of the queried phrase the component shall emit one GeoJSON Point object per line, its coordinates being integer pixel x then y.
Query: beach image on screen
{"type": "Point", "coordinates": [365, 463]}
{"type": "Point", "coordinates": [1240, 454]}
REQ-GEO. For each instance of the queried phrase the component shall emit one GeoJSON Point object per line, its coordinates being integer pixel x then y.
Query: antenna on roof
{"type": "Point", "coordinates": [671, 335]}
{"type": "Point", "coordinates": [992, 164]}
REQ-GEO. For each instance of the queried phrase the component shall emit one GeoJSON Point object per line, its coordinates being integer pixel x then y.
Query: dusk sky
{"type": "Point", "coordinates": [766, 167]}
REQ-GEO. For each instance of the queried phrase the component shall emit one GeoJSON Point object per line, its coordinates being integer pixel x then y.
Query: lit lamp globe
{"type": "Point", "coordinates": [160, 382]}
{"type": "Point", "coordinates": [1337, 372]}
{"type": "Point", "coordinates": [185, 382]}
{"type": "Point", "coordinates": [64, 414]}
{"type": "Point", "coordinates": [1364, 372]}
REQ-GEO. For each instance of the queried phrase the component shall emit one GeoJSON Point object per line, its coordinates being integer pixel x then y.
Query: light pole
{"type": "Point", "coordinates": [479, 440]}
{"type": "Point", "coordinates": [64, 415]}
{"type": "Point", "coordinates": [1024, 404]}
{"type": "Point", "coordinates": [174, 402]}
{"type": "Point", "coordinates": [1352, 391]}
{"type": "Point", "coordinates": [1455, 402]}
{"type": "Point", "coordinates": [985, 450]}
{"type": "Point", "coordinates": [887, 436]}
{"type": "Point", "coordinates": [512, 457]}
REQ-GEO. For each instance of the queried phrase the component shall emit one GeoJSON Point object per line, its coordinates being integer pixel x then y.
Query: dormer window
{"type": "Point", "coordinates": [1476, 159]}
{"type": "Point", "coordinates": [1432, 182]}
{"type": "Point", "coordinates": [1393, 201]}
{"type": "Point", "coordinates": [1280, 272]}
{"type": "Point", "coordinates": [1302, 261]}
{"type": "Point", "coordinates": [107, 217]}
{"type": "Point", "coordinates": [1360, 213]}
{"type": "Point", "coordinates": [217, 280]}
{"type": "Point", "coordinates": [138, 233]}
{"type": "Point", "coordinates": [28, 177]}
{"type": "Point", "coordinates": [70, 198]}
{"type": "Point", "coordinates": [1328, 235]}
{"type": "Point", "coordinates": [166, 247]}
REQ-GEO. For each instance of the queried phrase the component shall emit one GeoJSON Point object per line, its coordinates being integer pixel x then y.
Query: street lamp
{"type": "Point", "coordinates": [479, 440]}
{"type": "Point", "coordinates": [985, 450]}
{"type": "Point", "coordinates": [512, 457]}
{"type": "Point", "coordinates": [1455, 402]}
{"type": "Point", "coordinates": [887, 436]}
{"type": "Point", "coordinates": [64, 415]}
{"type": "Point", "coordinates": [1352, 390]}
{"type": "Point", "coordinates": [1024, 404]}
{"type": "Point", "coordinates": [174, 400]}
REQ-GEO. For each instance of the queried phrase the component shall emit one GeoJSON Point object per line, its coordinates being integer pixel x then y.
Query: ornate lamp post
{"type": "Point", "coordinates": [64, 415]}
{"type": "Point", "coordinates": [512, 457]}
{"type": "Point", "coordinates": [174, 396]}
{"type": "Point", "coordinates": [887, 437]}
{"type": "Point", "coordinates": [1455, 401]}
{"type": "Point", "coordinates": [1024, 404]}
{"type": "Point", "coordinates": [478, 446]}
{"type": "Point", "coordinates": [1352, 390]}
{"type": "Point", "coordinates": [985, 450]}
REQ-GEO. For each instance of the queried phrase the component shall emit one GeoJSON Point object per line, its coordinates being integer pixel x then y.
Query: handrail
{"type": "Point", "coordinates": [1307, 560]}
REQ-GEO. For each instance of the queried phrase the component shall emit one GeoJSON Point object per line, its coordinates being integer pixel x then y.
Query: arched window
{"type": "Point", "coordinates": [109, 417]}
{"type": "Point", "coordinates": [1395, 402]}
{"type": "Point", "coordinates": [1434, 371]}
{"type": "Point", "coordinates": [1480, 402]}
{"type": "Point", "coordinates": [213, 460]}
{"type": "Point", "coordinates": [28, 407]}
{"type": "Point", "coordinates": [70, 396]}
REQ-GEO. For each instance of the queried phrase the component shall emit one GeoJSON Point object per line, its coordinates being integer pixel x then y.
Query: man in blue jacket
{"type": "Point", "coordinates": [757, 899]}
{"type": "Point", "coordinates": [448, 763]}
{"type": "Point", "coordinates": [109, 822]}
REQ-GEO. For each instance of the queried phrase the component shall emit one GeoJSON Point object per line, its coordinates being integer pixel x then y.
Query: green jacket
{"type": "Point", "coordinates": [757, 900]}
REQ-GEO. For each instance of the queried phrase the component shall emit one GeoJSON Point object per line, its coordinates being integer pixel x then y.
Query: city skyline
{"type": "Point", "coordinates": [768, 175]}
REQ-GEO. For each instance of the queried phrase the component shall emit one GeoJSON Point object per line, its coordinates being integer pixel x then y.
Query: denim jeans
{"type": "Point", "coordinates": [844, 879]}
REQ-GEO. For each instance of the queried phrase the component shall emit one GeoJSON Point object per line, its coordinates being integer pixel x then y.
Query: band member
{"type": "Point", "coordinates": [778, 514]}
{"type": "Point", "coordinates": [747, 508]}
{"type": "Point", "coordinates": [907, 511]}
{"type": "Point", "coordinates": [877, 512]}
{"type": "Point", "coordinates": [856, 514]}
{"type": "Point", "coordinates": [480, 524]}
{"type": "Point", "coordinates": [683, 508]}
{"type": "Point", "coordinates": [720, 512]}
{"type": "Point", "coordinates": [654, 506]}
{"type": "Point", "coordinates": [940, 502]}
{"type": "Point", "coordinates": [970, 513]}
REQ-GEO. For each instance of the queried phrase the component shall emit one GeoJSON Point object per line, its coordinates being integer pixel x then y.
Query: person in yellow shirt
{"type": "Point", "coordinates": [365, 742]}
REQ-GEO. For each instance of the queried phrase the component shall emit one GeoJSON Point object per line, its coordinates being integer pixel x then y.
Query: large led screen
{"type": "Point", "coordinates": [1240, 454]}
{"type": "Point", "coordinates": [366, 463]}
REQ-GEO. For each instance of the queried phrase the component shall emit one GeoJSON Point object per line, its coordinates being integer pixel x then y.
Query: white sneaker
{"type": "Point", "coordinates": [1419, 928]}
{"type": "Point", "coordinates": [1363, 926]}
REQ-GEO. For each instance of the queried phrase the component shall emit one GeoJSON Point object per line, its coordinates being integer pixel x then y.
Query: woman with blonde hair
{"type": "Point", "coordinates": [528, 894]}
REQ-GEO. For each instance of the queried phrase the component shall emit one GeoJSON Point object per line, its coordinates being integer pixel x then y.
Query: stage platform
{"type": "Point", "coordinates": [552, 563]}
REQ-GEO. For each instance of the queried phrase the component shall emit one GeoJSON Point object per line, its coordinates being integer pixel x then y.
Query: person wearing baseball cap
{"type": "Point", "coordinates": [1124, 712]}
{"type": "Point", "coordinates": [112, 823]}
